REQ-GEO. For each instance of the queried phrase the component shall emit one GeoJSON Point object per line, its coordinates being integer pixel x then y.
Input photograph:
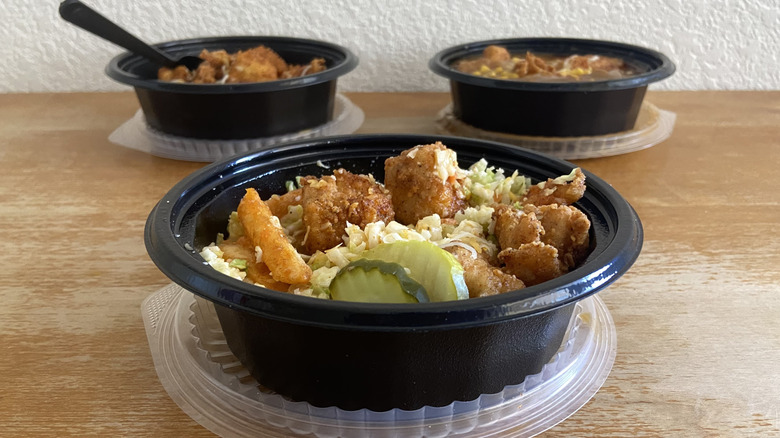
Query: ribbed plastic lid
{"type": "Point", "coordinates": [653, 126]}
{"type": "Point", "coordinates": [202, 376]}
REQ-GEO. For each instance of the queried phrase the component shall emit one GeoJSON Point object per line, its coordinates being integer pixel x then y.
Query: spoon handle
{"type": "Point", "coordinates": [88, 19]}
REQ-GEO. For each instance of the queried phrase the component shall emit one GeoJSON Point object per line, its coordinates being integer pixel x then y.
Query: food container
{"type": "Point", "coordinates": [381, 356]}
{"type": "Point", "coordinates": [237, 111]}
{"type": "Point", "coordinates": [555, 109]}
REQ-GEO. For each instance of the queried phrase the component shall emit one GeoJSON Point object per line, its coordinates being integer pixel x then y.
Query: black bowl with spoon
{"type": "Point", "coordinates": [221, 111]}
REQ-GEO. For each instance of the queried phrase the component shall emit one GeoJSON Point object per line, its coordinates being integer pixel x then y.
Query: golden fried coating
{"type": "Point", "coordinates": [333, 200]}
{"type": "Point", "coordinates": [481, 277]}
{"type": "Point", "coordinates": [257, 64]}
{"type": "Point", "coordinates": [178, 74]}
{"type": "Point", "coordinates": [514, 227]}
{"type": "Point", "coordinates": [251, 72]}
{"type": "Point", "coordinates": [279, 204]}
{"type": "Point", "coordinates": [496, 53]}
{"type": "Point", "coordinates": [424, 181]}
{"type": "Point", "coordinates": [255, 272]}
{"type": "Point", "coordinates": [315, 66]}
{"type": "Point", "coordinates": [205, 74]}
{"type": "Point", "coordinates": [218, 59]}
{"type": "Point", "coordinates": [557, 191]}
{"type": "Point", "coordinates": [533, 263]}
{"type": "Point", "coordinates": [532, 65]}
{"type": "Point", "coordinates": [561, 227]}
{"type": "Point", "coordinates": [566, 228]}
{"type": "Point", "coordinates": [263, 230]}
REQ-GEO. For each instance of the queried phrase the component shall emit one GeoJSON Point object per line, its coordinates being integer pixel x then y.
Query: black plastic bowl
{"type": "Point", "coordinates": [551, 109]}
{"type": "Point", "coordinates": [381, 356]}
{"type": "Point", "coordinates": [235, 111]}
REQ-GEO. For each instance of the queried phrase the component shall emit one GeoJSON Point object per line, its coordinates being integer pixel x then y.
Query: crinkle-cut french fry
{"type": "Point", "coordinates": [264, 230]}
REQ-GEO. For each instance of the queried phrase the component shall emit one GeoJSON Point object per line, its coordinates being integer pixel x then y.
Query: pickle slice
{"type": "Point", "coordinates": [436, 269]}
{"type": "Point", "coordinates": [375, 281]}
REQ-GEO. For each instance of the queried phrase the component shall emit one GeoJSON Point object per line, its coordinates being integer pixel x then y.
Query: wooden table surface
{"type": "Point", "coordinates": [697, 317]}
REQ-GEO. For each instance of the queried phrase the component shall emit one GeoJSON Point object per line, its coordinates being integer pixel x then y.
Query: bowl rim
{"type": "Point", "coordinates": [442, 61]}
{"type": "Point", "coordinates": [349, 62]}
{"type": "Point", "coordinates": [172, 257]}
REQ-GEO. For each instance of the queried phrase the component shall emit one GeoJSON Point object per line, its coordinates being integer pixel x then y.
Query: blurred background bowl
{"type": "Point", "coordinates": [381, 356]}
{"type": "Point", "coordinates": [551, 109]}
{"type": "Point", "coordinates": [237, 111]}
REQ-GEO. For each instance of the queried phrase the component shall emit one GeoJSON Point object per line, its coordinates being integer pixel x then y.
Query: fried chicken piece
{"type": "Point", "coordinates": [560, 190]}
{"type": "Point", "coordinates": [253, 65]}
{"type": "Point", "coordinates": [178, 74]}
{"type": "Point", "coordinates": [256, 65]}
{"type": "Point", "coordinates": [205, 74]}
{"type": "Point", "coordinates": [561, 227]}
{"type": "Point", "coordinates": [278, 204]}
{"type": "Point", "coordinates": [481, 277]}
{"type": "Point", "coordinates": [537, 65]}
{"type": "Point", "coordinates": [532, 263]}
{"type": "Point", "coordinates": [217, 59]}
{"type": "Point", "coordinates": [533, 65]}
{"type": "Point", "coordinates": [333, 200]}
{"type": "Point", "coordinates": [315, 66]}
{"type": "Point", "coordinates": [251, 72]}
{"type": "Point", "coordinates": [496, 53]}
{"type": "Point", "coordinates": [566, 228]}
{"type": "Point", "coordinates": [514, 227]}
{"type": "Point", "coordinates": [492, 57]}
{"type": "Point", "coordinates": [424, 180]}
{"type": "Point", "coordinates": [213, 67]}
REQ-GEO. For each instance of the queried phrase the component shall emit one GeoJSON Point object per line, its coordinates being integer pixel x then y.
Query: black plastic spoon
{"type": "Point", "coordinates": [88, 19]}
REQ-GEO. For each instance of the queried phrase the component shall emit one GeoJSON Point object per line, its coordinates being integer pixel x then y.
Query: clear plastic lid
{"type": "Point", "coordinates": [652, 126]}
{"type": "Point", "coordinates": [202, 376]}
{"type": "Point", "coordinates": [137, 134]}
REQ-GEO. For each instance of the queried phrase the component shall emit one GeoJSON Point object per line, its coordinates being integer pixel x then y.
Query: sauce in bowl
{"type": "Point", "coordinates": [497, 62]}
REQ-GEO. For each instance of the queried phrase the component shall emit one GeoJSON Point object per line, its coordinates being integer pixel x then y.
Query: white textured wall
{"type": "Point", "coordinates": [718, 44]}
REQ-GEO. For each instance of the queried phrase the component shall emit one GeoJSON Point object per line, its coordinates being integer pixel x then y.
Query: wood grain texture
{"type": "Point", "coordinates": [698, 316]}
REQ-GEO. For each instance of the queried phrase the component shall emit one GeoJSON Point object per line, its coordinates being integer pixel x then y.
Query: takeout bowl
{"type": "Point", "coordinates": [551, 109]}
{"type": "Point", "coordinates": [381, 356]}
{"type": "Point", "coordinates": [237, 111]}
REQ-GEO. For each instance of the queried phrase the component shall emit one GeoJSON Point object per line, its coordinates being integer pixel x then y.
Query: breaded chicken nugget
{"type": "Point", "coordinates": [178, 74]}
{"type": "Point", "coordinates": [256, 65]}
{"type": "Point", "coordinates": [279, 204]}
{"type": "Point", "coordinates": [496, 53]}
{"type": "Point", "coordinates": [424, 180]}
{"type": "Point", "coordinates": [565, 228]}
{"type": "Point", "coordinates": [333, 200]}
{"type": "Point", "coordinates": [481, 277]}
{"type": "Point", "coordinates": [566, 189]}
{"type": "Point", "coordinates": [315, 66]}
{"type": "Point", "coordinates": [514, 227]}
{"type": "Point", "coordinates": [217, 58]}
{"type": "Point", "coordinates": [264, 230]}
{"type": "Point", "coordinates": [205, 74]}
{"type": "Point", "coordinates": [533, 263]}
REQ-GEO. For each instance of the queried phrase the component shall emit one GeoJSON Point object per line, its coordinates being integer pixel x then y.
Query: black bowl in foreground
{"type": "Point", "coordinates": [551, 109]}
{"type": "Point", "coordinates": [237, 111]}
{"type": "Point", "coordinates": [381, 356]}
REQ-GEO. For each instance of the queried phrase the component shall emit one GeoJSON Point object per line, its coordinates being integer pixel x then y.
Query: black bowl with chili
{"type": "Point", "coordinates": [551, 109]}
